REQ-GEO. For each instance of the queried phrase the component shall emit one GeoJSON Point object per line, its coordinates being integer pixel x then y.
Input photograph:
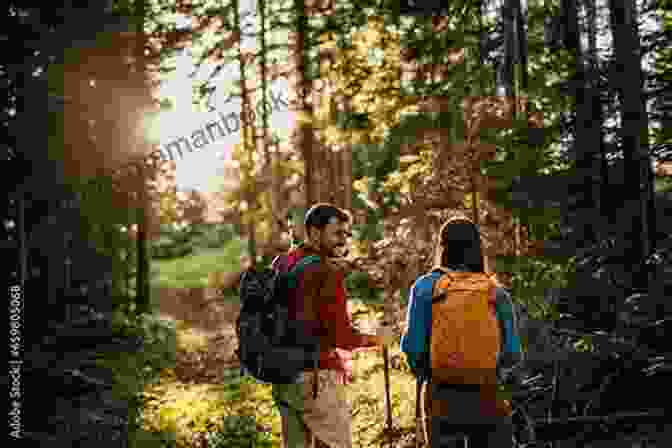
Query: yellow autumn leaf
{"type": "Point", "coordinates": [359, 136]}
{"type": "Point", "coordinates": [326, 37]}
{"type": "Point", "coordinates": [328, 44]}
{"type": "Point", "coordinates": [303, 118]}
{"type": "Point", "coordinates": [409, 159]}
{"type": "Point", "coordinates": [405, 187]}
{"type": "Point", "coordinates": [332, 134]}
{"type": "Point", "coordinates": [361, 185]}
{"type": "Point", "coordinates": [168, 417]}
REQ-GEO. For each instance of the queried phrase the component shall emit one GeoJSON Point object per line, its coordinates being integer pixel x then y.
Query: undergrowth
{"type": "Point", "coordinates": [240, 413]}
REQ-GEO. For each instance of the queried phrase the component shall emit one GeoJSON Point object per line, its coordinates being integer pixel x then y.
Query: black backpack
{"type": "Point", "coordinates": [270, 347]}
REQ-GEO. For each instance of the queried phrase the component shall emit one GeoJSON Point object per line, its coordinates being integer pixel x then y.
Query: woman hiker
{"type": "Point", "coordinates": [463, 408]}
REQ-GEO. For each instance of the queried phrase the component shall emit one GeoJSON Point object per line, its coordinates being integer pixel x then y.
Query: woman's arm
{"type": "Point", "coordinates": [511, 353]}
{"type": "Point", "coordinates": [414, 341]}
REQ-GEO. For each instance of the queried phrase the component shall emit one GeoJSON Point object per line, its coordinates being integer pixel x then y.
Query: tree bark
{"type": "Point", "coordinates": [249, 142]}
{"type": "Point", "coordinates": [513, 74]}
{"type": "Point", "coordinates": [588, 137]}
{"type": "Point", "coordinates": [302, 87]}
{"type": "Point", "coordinates": [346, 160]}
{"type": "Point", "coordinates": [605, 209]}
{"type": "Point", "coordinates": [638, 193]}
{"type": "Point", "coordinates": [270, 156]}
{"type": "Point", "coordinates": [506, 72]}
{"type": "Point", "coordinates": [142, 279]}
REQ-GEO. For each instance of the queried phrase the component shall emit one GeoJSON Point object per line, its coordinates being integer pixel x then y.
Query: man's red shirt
{"type": "Point", "coordinates": [321, 306]}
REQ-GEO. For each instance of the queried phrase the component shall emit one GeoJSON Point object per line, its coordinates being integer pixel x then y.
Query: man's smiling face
{"type": "Point", "coordinates": [333, 237]}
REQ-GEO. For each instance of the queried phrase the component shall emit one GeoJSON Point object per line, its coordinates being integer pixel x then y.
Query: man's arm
{"type": "Point", "coordinates": [327, 310]}
{"type": "Point", "coordinates": [334, 312]}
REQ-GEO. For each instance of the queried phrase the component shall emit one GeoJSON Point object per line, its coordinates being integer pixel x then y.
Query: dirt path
{"type": "Point", "coordinates": [208, 317]}
{"type": "Point", "coordinates": [213, 319]}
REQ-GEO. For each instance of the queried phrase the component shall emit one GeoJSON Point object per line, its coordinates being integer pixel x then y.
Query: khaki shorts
{"type": "Point", "coordinates": [328, 417]}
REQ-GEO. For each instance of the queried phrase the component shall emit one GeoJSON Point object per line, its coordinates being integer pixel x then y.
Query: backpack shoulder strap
{"type": "Point", "coordinates": [437, 293]}
{"type": "Point", "coordinates": [305, 261]}
{"type": "Point", "coordinates": [437, 290]}
{"type": "Point", "coordinates": [298, 268]}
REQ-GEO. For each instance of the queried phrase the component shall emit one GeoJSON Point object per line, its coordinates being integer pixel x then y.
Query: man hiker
{"type": "Point", "coordinates": [321, 308]}
{"type": "Point", "coordinates": [461, 329]}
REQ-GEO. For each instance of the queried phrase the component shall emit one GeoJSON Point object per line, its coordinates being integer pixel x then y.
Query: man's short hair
{"type": "Point", "coordinates": [319, 215]}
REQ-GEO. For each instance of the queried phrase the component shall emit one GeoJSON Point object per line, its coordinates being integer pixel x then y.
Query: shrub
{"type": "Point", "coordinates": [219, 414]}
{"type": "Point", "coordinates": [134, 371]}
{"type": "Point", "coordinates": [359, 286]}
{"type": "Point", "coordinates": [214, 236]}
{"type": "Point", "coordinates": [239, 431]}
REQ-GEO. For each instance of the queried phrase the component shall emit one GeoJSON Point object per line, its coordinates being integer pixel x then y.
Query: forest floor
{"type": "Point", "coordinates": [206, 319]}
{"type": "Point", "coordinates": [205, 358]}
{"type": "Point", "coordinates": [207, 323]}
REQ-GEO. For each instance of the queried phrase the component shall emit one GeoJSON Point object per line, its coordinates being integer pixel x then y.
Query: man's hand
{"type": "Point", "coordinates": [385, 335]}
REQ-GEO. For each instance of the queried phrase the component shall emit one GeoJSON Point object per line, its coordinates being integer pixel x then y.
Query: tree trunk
{"type": "Point", "coordinates": [323, 172]}
{"type": "Point", "coordinates": [249, 143]}
{"type": "Point", "coordinates": [513, 75]}
{"type": "Point", "coordinates": [302, 87]}
{"type": "Point", "coordinates": [588, 136]}
{"type": "Point", "coordinates": [634, 136]}
{"type": "Point", "coordinates": [346, 160]}
{"type": "Point", "coordinates": [142, 279]}
{"type": "Point", "coordinates": [269, 156]}
{"type": "Point", "coordinates": [281, 198]}
{"type": "Point", "coordinates": [506, 69]}
{"type": "Point", "coordinates": [505, 80]}
{"type": "Point", "coordinates": [571, 34]}
{"type": "Point", "coordinates": [591, 10]}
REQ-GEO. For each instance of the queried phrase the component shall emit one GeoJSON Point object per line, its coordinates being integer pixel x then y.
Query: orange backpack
{"type": "Point", "coordinates": [465, 338]}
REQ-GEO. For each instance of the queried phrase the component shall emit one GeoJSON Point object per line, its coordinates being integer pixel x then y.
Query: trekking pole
{"type": "Point", "coordinates": [418, 417]}
{"type": "Point", "coordinates": [386, 370]}
{"type": "Point", "coordinates": [388, 403]}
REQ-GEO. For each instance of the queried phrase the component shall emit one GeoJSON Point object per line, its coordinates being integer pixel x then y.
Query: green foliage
{"type": "Point", "coordinates": [192, 271]}
{"type": "Point", "coordinates": [370, 167]}
{"type": "Point", "coordinates": [103, 226]}
{"type": "Point", "coordinates": [374, 160]}
{"type": "Point", "coordinates": [135, 371]}
{"type": "Point", "coordinates": [585, 344]}
{"type": "Point", "coordinates": [176, 242]}
{"type": "Point", "coordinates": [177, 245]}
{"type": "Point", "coordinates": [372, 228]}
{"type": "Point", "coordinates": [239, 431]}
{"type": "Point", "coordinates": [532, 279]}
{"type": "Point", "coordinates": [152, 439]}
{"type": "Point", "coordinates": [238, 413]}
{"type": "Point", "coordinates": [359, 285]}
{"type": "Point", "coordinates": [663, 184]}
{"type": "Point", "coordinates": [266, 259]}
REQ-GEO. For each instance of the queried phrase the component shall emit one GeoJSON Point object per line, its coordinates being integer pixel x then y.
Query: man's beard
{"type": "Point", "coordinates": [335, 251]}
{"type": "Point", "coordinates": [340, 252]}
